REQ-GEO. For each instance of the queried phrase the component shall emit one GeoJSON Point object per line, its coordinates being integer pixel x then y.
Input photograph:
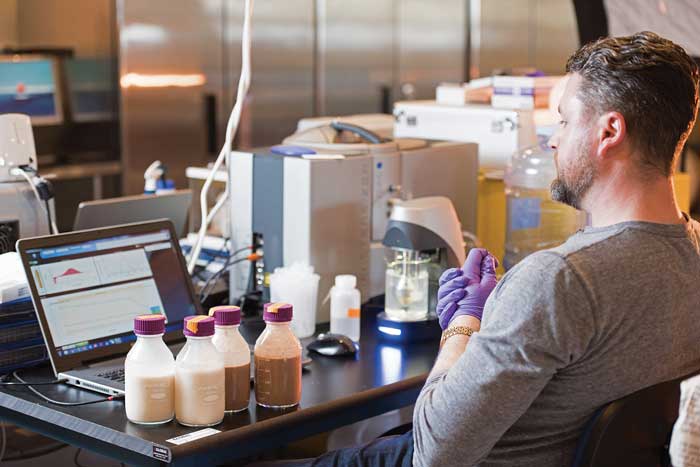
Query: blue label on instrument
{"type": "Point", "coordinates": [525, 213]}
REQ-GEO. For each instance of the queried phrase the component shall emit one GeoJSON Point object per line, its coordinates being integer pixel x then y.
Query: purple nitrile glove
{"type": "Point", "coordinates": [452, 289]}
{"type": "Point", "coordinates": [479, 271]}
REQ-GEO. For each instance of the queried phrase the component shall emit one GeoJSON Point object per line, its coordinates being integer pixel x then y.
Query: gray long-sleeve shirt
{"type": "Point", "coordinates": [610, 312]}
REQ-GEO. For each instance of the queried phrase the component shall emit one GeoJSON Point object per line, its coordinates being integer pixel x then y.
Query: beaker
{"type": "Point", "coordinates": [406, 294]}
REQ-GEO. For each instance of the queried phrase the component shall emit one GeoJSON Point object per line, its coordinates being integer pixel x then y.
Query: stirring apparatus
{"type": "Point", "coordinates": [424, 238]}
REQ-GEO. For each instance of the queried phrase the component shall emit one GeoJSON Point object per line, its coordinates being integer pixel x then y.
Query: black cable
{"type": "Point", "coordinates": [62, 403]}
{"type": "Point", "coordinates": [4, 382]}
{"type": "Point", "coordinates": [48, 216]}
{"type": "Point", "coordinates": [75, 458]}
{"type": "Point", "coordinates": [214, 256]}
{"type": "Point", "coordinates": [204, 294]}
{"type": "Point", "coordinates": [228, 263]}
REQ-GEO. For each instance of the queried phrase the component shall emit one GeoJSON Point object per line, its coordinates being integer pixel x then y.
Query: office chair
{"type": "Point", "coordinates": [634, 431]}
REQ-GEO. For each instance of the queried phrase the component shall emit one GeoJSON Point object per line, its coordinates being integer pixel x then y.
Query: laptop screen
{"type": "Point", "coordinates": [91, 290]}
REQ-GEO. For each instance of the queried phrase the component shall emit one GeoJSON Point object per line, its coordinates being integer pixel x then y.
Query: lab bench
{"type": "Point", "coordinates": [335, 392]}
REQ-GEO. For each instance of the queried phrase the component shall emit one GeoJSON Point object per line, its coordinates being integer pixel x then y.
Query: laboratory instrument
{"type": "Point", "coordinates": [199, 376]}
{"type": "Point", "coordinates": [22, 211]}
{"type": "Point", "coordinates": [149, 374]}
{"type": "Point", "coordinates": [333, 345]}
{"type": "Point", "coordinates": [424, 238]}
{"type": "Point", "coordinates": [533, 220]}
{"type": "Point", "coordinates": [330, 209]}
{"type": "Point", "coordinates": [345, 307]}
{"type": "Point", "coordinates": [236, 354]}
{"type": "Point", "coordinates": [277, 359]}
{"type": "Point", "coordinates": [498, 132]}
{"type": "Point", "coordinates": [19, 328]}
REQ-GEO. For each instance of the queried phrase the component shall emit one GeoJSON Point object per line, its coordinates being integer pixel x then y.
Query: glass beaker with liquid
{"type": "Point", "coordinates": [406, 294]}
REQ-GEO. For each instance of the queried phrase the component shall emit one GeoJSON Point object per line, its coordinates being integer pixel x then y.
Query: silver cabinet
{"type": "Point", "coordinates": [521, 33]}
{"type": "Point", "coordinates": [170, 58]}
{"type": "Point", "coordinates": [179, 70]}
{"type": "Point", "coordinates": [282, 86]}
{"type": "Point", "coordinates": [355, 55]}
{"type": "Point", "coordinates": [430, 46]}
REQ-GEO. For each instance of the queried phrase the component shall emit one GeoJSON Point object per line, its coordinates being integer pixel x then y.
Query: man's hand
{"type": "Point", "coordinates": [463, 292]}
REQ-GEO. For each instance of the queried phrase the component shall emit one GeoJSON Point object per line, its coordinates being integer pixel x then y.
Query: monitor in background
{"type": "Point", "coordinates": [139, 208]}
{"type": "Point", "coordinates": [28, 86]}
{"type": "Point", "coordinates": [88, 287]}
{"type": "Point", "coordinates": [91, 87]}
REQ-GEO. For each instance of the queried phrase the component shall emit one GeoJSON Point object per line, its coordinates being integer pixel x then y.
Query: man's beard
{"type": "Point", "coordinates": [572, 184]}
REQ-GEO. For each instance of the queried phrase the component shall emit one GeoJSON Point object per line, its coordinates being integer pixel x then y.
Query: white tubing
{"type": "Point", "coordinates": [231, 128]}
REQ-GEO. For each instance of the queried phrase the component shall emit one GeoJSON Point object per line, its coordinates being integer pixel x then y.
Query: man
{"type": "Point", "coordinates": [613, 310]}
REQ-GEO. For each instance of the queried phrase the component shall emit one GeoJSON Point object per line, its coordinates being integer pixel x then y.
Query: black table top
{"type": "Point", "coordinates": [335, 392]}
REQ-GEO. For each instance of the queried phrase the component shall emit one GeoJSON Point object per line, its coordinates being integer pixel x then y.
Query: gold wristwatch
{"type": "Point", "coordinates": [454, 330]}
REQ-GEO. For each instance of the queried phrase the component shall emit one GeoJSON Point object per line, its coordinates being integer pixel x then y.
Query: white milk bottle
{"type": "Point", "coordinates": [149, 374]}
{"type": "Point", "coordinates": [236, 354]}
{"type": "Point", "coordinates": [199, 376]}
{"type": "Point", "coordinates": [345, 307]}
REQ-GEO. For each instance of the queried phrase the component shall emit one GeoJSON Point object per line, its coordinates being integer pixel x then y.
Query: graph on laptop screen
{"type": "Point", "coordinates": [91, 291]}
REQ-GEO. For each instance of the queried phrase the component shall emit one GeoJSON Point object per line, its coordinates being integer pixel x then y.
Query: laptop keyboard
{"type": "Point", "coordinates": [114, 375]}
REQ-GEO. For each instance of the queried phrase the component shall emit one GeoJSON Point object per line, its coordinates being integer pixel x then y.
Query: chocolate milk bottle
{"type": "Point", "coordinates": [236, 354]}
{"type": "Point", "coordinates": [199, 376]}
{"type": "Point", "coordinates": [277, 360]}
{"type": "Point", "coordinates": [149, 374]}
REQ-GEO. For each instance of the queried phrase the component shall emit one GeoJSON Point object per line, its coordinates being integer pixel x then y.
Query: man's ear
{"type": "Point", "coordinates": [612, 131]}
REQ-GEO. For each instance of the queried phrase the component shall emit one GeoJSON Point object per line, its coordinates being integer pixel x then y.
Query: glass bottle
{"type": "Point", "coordinates": [149, 374]}
{"type": "Point", "coordinates": [277, 359]}
{"type": "Point", "coordinates": [199, 376]}
{"type": "Point", "coordinates": [236, 354]}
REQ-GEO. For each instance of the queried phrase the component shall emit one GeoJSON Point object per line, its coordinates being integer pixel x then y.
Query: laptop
{"type": "Point", "coordinates": [88, 286]}
{"type": "Point", "coordinates": [129, 209]}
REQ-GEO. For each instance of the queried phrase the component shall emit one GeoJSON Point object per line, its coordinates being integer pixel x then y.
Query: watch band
{"type": "Point", "coordinates": [455, 330]}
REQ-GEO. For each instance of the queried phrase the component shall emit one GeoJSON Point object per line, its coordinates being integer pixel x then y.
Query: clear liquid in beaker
{"type": "Point", "coordinates": [406, 295]}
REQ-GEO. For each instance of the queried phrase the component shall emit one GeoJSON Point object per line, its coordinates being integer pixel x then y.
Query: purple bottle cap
{"type": "Point", "coordinates": [198, 326]}
{"type": "Point", "coordinates": [149, 325]}
{"type": "Point", "coordinates": [226, 315]}
{"type": "Point", "coordinates": [277, 312]}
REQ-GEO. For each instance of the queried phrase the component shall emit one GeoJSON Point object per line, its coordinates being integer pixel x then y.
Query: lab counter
{"type": "Point", "coordinates": [335, 392]}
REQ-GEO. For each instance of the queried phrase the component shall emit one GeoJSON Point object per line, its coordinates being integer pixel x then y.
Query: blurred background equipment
{"type": "Point", "coordinates": [173, 205]}
{"type": "Point", "coordinates": [533, 221]}
{"type": "Point", "coordinates": [23, 211]}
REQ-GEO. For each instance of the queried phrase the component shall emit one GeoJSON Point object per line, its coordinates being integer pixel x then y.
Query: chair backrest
{"type": "Point", "coordinates": [633, 431]}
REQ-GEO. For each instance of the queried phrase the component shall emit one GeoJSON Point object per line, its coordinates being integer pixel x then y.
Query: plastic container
{"type": "Point", "coordinates": [533, 221]}
{"type": "Point", "coordinates": [236, 354]}
{"type": "Point", "coordinates": [345, 307]}
{"type": "Point", "coordinates": [277, 359]}
{"type": "Point", "coordinates": [199, 376]}
{"type": "Point", "coordinates": [149, 374]}
{"type": "Point", "coordinates": [298, 286]}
